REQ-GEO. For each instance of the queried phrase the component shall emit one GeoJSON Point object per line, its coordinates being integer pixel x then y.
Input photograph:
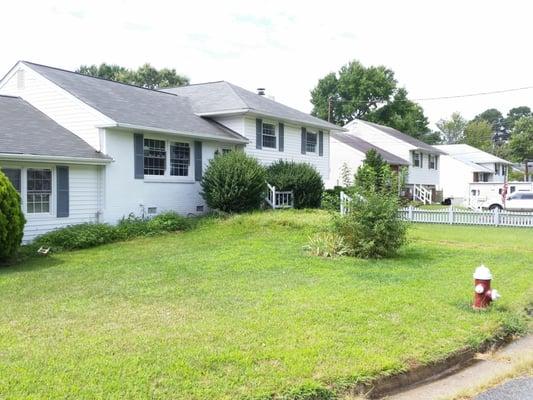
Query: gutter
{"type": "Point", "coordinates": [173, 132]}
{"type": "Point", "coordinates": [61, 159]}
{"type": "Point", "coordinates": [250, 111]}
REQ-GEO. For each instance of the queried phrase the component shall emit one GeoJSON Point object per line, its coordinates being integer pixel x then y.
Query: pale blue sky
{"type": "Point", "coordinates": [436, 48]}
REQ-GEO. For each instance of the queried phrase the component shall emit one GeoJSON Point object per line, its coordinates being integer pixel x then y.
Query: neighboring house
{"type": "Point", "coordinates": [423, 181]}
{"type": "Point", "coordinates": [150, 147]}
{"type": "Point", "coordinates": [464, 165]}
{"type": "Point", "coordinates": [350, 151]}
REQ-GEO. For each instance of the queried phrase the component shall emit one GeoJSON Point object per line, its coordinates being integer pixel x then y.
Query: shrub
{"type": "Point", "coordinates": [87, 235]}
{"type": "Point", "coordinates": [331, 199]}
{"type": "Point", "coordinates": [303, 179]}
{"type": "Point", "coordinates": [79, 236]}
{"type": "Point", "coordinates": [327, 244]}
{"type": "Point", "coordinates": [371, 228]}
{"type": "Point", "coordinates": [234, 182]}
{"type": "Point", "coordinates": [11, 219]}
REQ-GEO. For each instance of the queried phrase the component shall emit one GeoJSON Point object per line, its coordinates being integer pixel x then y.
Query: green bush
{"type": "Point", "coordinates": [11, 219]}
{"type": "Point", "coordinates": [303, 179]}
{"type": "Point", "coordinates": [87, 235]}
{"type": "Point", "coordinates": [331, 199]}
{"type": "Point", "coordinates": [79, 236]}
{"type": "Point", "coordinates": [234, 182]}
{"type": "Point", "coordinates": [371, 228]}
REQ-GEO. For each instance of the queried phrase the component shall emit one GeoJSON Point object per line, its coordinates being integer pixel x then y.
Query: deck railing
{"type": "Point", "coordinates": [279, 199]}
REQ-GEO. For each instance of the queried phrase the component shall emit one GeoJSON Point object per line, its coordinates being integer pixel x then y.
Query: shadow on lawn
{"type": "Point", "coordinates": [28, 264]}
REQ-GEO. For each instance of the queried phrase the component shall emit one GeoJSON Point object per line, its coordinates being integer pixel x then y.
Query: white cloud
{"type": "Point", "coordinates": [435, 48]}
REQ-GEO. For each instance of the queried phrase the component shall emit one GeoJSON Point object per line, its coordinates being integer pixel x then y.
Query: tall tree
{"type": "Point", "coordinates": [369, 93]}
{"type": "Point", "coordinates": [521, 143]}
{"type": "Point", "coordinates": [515, 114]}
{"type": "Point", "coordinates": [496, 120]}
{"type": "Point", "coordinates": [452, 130]}
{"type": "Point", "coordinates": [404, 115]}
{"type": "Point", "coordinates": [478, 134]}
{"type": "Point", "coordinates": [145, 76]}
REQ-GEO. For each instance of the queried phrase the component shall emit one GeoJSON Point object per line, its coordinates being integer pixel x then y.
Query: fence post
{"type": "Point", "coordinates": [496, 216]}
{"type": "Point", "coordinates": [450, 215]}
{"type": "Point", "coordinates": [342, 202]}
{"type": "Point", "coordinates": [410, 215]}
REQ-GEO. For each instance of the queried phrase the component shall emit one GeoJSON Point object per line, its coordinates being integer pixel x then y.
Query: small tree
{"type": "Point", "coordinates": [234, 182]}
{"type": "Point", "coordinates": [452, 129]}
{"type": "Point", "coordinates": [11, 219]}
{"type": "Point", "coordinates": [346, 175]}
{"type": "Point", "coordinates": [478, 133]}
{"type": "Point", "coordinates": [372, 229]}
{"type": "Point", "coordinates": [521, 143]}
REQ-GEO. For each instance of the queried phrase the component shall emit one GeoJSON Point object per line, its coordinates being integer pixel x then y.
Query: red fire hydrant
{"type": "Point", "coordinates": [483, 293]}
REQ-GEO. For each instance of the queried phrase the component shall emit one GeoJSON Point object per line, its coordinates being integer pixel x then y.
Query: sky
{"type": "Point", "coordinates": [436, 48]}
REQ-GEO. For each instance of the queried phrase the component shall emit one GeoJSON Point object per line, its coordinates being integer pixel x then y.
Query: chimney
{"type": "Point", "coordinates": [261, 91]}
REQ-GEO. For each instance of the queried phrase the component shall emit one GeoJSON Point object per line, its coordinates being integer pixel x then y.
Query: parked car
{"type": "Point", "coordinates": [518, 201]}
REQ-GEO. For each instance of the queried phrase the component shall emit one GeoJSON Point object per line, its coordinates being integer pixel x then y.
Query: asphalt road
{"type": "Point", "coordinates": [516, 389]}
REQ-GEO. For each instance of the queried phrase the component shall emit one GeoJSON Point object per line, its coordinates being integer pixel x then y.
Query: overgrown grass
{"type": "Point", "coordinates": [237, 309]}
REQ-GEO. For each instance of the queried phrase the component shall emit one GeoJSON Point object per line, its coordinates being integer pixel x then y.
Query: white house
{"type": "Point", "coordinates": [462, 166]}
{"type": "Point", "coordinates": [424, 160]}
{"type": "Point", "coordinates": [84, 149]}
{"type": "Point", "coordinates": [350, 151]}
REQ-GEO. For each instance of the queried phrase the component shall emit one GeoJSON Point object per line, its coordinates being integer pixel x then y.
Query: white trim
{"type": "Point", "coordinates": [174, 132]}
{"type": "Point", "coordinates": [60, 159]}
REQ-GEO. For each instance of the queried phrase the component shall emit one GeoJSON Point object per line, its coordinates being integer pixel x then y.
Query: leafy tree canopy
{"type": "Point", "coordinates": [144, 76]}
{"type": "Point", "coordinates": [515, 114]}
{"type": "Point", "coordinates": [452, 130]}
{"type": "Point", "coordinates": [521, 143]}
{"type": "Point", "coordinates": [369, 93]}
{"type": "Point", "coordinates": [478, 134]}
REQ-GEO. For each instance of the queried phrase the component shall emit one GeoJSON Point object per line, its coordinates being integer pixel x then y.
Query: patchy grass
{"type": "Point", "coordinates": [237, 309]}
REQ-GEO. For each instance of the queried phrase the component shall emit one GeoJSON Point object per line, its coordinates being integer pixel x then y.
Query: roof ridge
{"type": "Point", "coordinates": [196, 84]}
{"type": "Point", "coordinates": [100, 78]}
{"type": "Point", "coordinates": [232, 87]}
{"type": "Point", "coordinates": [10, 96]}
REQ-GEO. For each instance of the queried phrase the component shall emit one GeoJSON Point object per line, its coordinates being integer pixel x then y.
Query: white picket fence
{"type": "Point", "coordinates": [279, 199]}
{"type": "Point", "coordinates": [458, 216]}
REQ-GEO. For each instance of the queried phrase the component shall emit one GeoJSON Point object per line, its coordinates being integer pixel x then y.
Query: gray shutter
{"type": "Point", "coordinates": [281, 136]}
{"type": "Point", "coordinates": [62, 191]}
{"type": "Point", "coordinates": [197, 161]}
{"type": "Point", "coordinates": [304, 140]}
{"type": "Point", "coordinates": [138, 151]}
{"type": "Point", "coordinates": [258, 133]}
{"type": "Point", "coordinates": [320, 143]}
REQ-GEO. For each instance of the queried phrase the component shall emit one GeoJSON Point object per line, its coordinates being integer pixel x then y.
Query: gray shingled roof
{"type": "Point", "coordinates": [132, 105]}
{"type": "Point", "coordinates": [404, 137]}
{"type": "Point", "coordinates": [26, 130]}
{"type": "Point", "coordinates": [223, 97]}
{"type": "Point", "coordinates": [363, 146]}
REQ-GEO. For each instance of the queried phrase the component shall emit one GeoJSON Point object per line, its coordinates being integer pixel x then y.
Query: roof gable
{"type": "Point", "coordinates": [26, 130]}
{"type": "Point", "coordinates": [363, 146]}
{"type": "Point", "coordinates": [133, 105]}
{"type": "Point", "coordinates": [223, 97]}
{"type": "Point", "coordinates": [467, 153]}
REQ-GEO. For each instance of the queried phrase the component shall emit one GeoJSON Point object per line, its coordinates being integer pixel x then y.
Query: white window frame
{"type": "Point", "coordinates": [24, 189]}
{"type": "Point", "coordinates": [316, 142]}
{"type": "Point", "coordinates": [433, 158]}
{"type": "Point", "coordinates": [420, 162]}
{"type": "Point", "coordinates": [167, 178]}
{"type": "Point", "coordinates": [276, 136]}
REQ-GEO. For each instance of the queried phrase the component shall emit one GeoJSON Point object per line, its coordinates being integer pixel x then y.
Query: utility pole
{"type": "Point", "coordinates": [330, 99]}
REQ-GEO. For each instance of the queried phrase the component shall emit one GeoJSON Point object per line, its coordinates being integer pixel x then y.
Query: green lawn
{"type": "Point", "coordinates": [237, 309]}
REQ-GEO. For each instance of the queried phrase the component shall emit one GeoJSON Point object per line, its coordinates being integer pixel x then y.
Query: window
{"type": "Point", "coordinates": [417, 159]}
{"type": "Point", "coordinates": [497, 169]}
{"type": "Point", "coordinates": [504, 169]}
{"type": "Point", "coordinates": [154, 157]}
{"type": "Point", "coordinates": [310, 145]}
{"type": "Point", "coordinates": [180, 159]}
{"type": "Point", "coordinates": [269, 136]}
{"type": "Point", "coordinates": [13, 174]}
{"type": "Point", "coordinates": [39, 190]}
{"type": "Point", "coordinates": [432, 162]}
{"type": "Point", "coordinates": [226, 151]}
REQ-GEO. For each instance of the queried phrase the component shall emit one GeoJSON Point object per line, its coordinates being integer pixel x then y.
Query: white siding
{"type": "Point", "coordinates": [61, 106]}
{"type": "Point", "coordinates": [83, 194]}
{"type": "Point", "coordinates": [125, 195]}
{"type": "Point", "coordinates": [455, 177]}
{"type": "Point", "coordinates": [342, 153]}
{"type": "Point", "coordinates": [419, 176]}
